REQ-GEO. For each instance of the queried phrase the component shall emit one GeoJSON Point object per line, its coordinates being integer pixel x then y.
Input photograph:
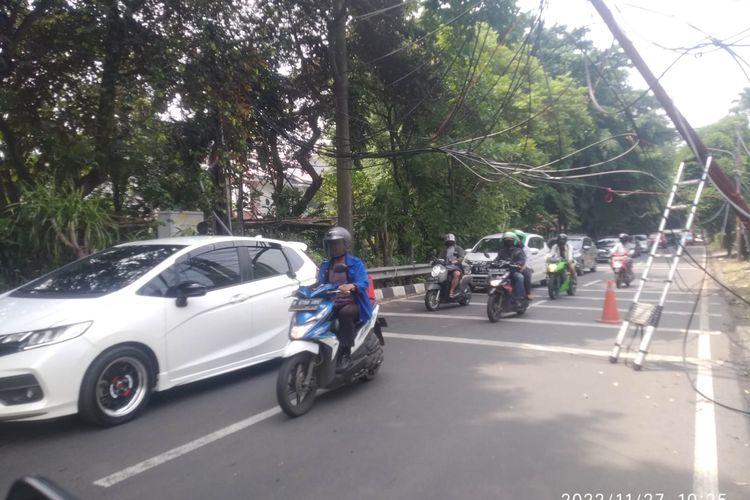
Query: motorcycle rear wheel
{"type": "Point", "coordinates": [494, 307]}
{"type": "Point", "coordinates": [431, 300]}
{"type": "Point", "coordinates": [294, 396]}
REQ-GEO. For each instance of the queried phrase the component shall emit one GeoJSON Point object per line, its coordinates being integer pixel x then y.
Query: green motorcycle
{"type": "Point", "coordinates": [558, 278]}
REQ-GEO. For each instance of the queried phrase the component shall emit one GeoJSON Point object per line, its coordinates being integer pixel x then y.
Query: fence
{"type": "Point", "coordinates": [396, 272]}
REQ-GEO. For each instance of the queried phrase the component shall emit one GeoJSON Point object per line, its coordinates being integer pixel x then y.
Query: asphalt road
{"type": "Point", "coordinates": [528, 408]}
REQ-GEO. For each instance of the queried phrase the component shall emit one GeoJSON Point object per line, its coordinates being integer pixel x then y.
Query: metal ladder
{"type": "Point", "coordinates": [646, 316]}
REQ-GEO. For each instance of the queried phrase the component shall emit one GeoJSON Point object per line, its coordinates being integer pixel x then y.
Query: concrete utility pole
{"type": "Point", "coordinates": [340, 63]}
{"type": "Point", "coordinates": [720, 181]}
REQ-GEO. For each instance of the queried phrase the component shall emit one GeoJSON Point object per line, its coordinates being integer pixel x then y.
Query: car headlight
{"type": "Point", "coordinates": [23, 341]}
{"type": "Point", "coordinates": [436, 270]}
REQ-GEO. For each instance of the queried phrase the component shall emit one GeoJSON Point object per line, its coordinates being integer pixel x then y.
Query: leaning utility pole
{"type": "Point", "coordinates": [340, 64]}
{"type": "Point", "coordinates": [719, 179]}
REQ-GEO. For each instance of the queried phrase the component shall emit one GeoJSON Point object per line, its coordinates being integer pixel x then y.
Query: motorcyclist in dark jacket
{"type": "Point", "coordinates": [511, 253]}
{"type": "Point", "coordinates": [453, 255]}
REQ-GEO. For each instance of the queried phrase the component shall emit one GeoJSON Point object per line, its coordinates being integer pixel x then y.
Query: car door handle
{"type": "Point", "coordinates": [240, 297]}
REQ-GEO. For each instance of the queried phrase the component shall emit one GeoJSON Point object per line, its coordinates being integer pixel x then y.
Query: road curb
{"type": "Point", "coordinates": [398, 291]}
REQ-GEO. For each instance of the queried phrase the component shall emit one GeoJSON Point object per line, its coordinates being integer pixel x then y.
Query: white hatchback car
{"type": "Point", "coordinates": [98, 335]}
{"type": "Point", "coordinates": [486, 249]}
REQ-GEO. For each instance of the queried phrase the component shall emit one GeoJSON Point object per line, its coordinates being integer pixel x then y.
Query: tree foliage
{"type": "Point", "coordinates": [151, 104]}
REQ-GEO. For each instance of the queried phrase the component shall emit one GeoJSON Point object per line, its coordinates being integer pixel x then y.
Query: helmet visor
{"type": "Point", "coordinates": [335, 248]}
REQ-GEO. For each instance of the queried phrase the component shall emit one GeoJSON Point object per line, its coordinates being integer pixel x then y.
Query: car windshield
{"type": "Point", "coordinates": [605, 243]}
{"type": "Point", "coordinates": [487, 245]}
{"type": "Point", "coordinates": [577, 243]}
{"type": "Point", "coordinates": [101, 273]}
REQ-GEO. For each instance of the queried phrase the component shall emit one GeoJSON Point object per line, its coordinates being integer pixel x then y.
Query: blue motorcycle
{"type": "Point", "coordinates": [310, 358]}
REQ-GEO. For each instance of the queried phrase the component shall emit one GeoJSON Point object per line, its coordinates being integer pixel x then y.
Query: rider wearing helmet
{"type": "Point", "coordinates": [510, 252]}
{"type": "Point", "coordinates": [352, 303]}
{"type": "Point", "coordinates": [564, 250]}
{"type": "Point", "coordinates": [623, 247]}
{"type": "Point", "coordinates": [453, 255]}
{"type": "Point", "coordinates": [527, 272]}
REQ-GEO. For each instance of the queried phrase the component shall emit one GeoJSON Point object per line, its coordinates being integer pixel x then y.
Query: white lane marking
{"type": "Point", "coordinates": [622, 291]}
{"type": "Point", "coordinates": [177, 452]}
{"type": "Point", "coordinates": [599, 299]}
{"type": "Point", "coordinates": [579, 308]}
{"type": "Point", "coordinates": [705, 460]}
{"type": "Point", "coordinates": [538, 322]}
{"type": "Point", "coordinates": [576, 351]}
{"type": "Point", "coordinates": [592, 282]}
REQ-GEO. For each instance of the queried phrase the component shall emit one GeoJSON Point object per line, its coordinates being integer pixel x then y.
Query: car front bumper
{"type": "Point", "coordinates": [55, 370]}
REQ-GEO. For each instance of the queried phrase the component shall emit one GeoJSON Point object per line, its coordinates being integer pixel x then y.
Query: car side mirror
{"type": "Point", "coordinates": [291, 274]}
{"type": "Point", "coordinates": [37, 488]}
{"type": "Point", "coordinates": [486, 255]}
{"type": "Point", "coordinates": [188, 289]}
{"type": "Point", "coordinates": [340, 268]}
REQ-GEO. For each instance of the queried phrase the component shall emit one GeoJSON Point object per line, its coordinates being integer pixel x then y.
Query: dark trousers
{"type": "Point", "coordinates": [348, 315]}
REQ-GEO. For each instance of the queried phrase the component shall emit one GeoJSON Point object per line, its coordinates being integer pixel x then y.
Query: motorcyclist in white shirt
{"type": "Point", "coordinates": [623, 247]}
{"type": "Point", "coordinates": [564, 250]}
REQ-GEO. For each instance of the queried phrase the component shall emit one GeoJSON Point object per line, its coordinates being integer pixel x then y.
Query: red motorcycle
{"type": "Point", "coordinates": [622, 266]}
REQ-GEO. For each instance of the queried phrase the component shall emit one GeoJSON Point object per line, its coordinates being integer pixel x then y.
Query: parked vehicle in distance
{"type": "Point", "coordinates": [603, 246]}
{"type": "Point", "coordinates": [652, 237]}
{"type": "Point", "coordinates": [98, 335]}
{"type": "Point", "coordinates": [641, 242]}
{"type": "Point", "coordinates": [485, 251]}
{"type": "Point", "coordinates": [584, 252]}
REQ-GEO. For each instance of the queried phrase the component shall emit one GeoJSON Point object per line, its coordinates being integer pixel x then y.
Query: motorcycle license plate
{"type": "Point", "coordinates": [305, 304]}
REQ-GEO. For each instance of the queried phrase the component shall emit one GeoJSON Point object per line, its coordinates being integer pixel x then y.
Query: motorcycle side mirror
{"type": "Point", "coordinates": [37, 488]}
{"type": "Point", "coordinates": [340, 268]}
{"type": "Point", "coordinates": [188, 289]}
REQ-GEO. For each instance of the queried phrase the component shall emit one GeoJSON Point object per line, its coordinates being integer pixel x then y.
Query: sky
{"type": "Point", "coordinates": [702, 83]}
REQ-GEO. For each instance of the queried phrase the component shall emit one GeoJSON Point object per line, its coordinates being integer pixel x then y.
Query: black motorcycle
{"type": "Point", "coordinates": [500, 291]}
{"type": "Point", "coordinates": [439, 286]}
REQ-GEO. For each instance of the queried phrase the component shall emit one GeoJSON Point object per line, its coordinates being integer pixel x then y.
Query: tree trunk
{"type": "Point", "coordinates": [107, 160]}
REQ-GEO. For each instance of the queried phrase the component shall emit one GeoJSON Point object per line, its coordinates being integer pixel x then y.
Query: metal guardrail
{"type": "Point", "coordinates": [381, 273]}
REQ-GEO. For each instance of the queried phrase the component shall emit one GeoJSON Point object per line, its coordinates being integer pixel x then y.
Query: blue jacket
{"type": "Point", "coordinates": [357, 275]}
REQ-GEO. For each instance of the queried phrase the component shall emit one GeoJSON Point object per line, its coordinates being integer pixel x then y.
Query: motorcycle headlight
{"type": "Point", "coordinates": [23, 341]}
{"type": "Point", "coordinates": [298, 331]}
{"type": "Point", "coordinates": [436, 270]}
{"type": "Point", "coordinates": [495, 282]}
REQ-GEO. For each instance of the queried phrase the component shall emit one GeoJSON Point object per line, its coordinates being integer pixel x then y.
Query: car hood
{"type": "Point", "coordinates": [479, 257]}
{"type": "Point", "coordinates": [19, 314]}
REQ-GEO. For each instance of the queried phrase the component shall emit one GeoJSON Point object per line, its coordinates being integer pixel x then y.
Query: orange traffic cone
{"type": "Point", "coordinates": [610, 314]}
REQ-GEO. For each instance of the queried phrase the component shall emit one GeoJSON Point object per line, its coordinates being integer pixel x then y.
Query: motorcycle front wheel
{"type": "Point", "coordinates": [295, 396]}
{"type": "Point", "coordinates": [494, 307]}
{"type": "Point", "coordinates": [431, 300]}
{"type": "Point", "coordinates": [618, 280]}
{"type": "Point", "coordinates": [552, 287]}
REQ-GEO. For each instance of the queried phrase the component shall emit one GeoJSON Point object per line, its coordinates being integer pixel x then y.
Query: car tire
{"type": "Point", "coordinates": [593, 269]}
{"type": "Point", "coordinates": [117, 386]}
